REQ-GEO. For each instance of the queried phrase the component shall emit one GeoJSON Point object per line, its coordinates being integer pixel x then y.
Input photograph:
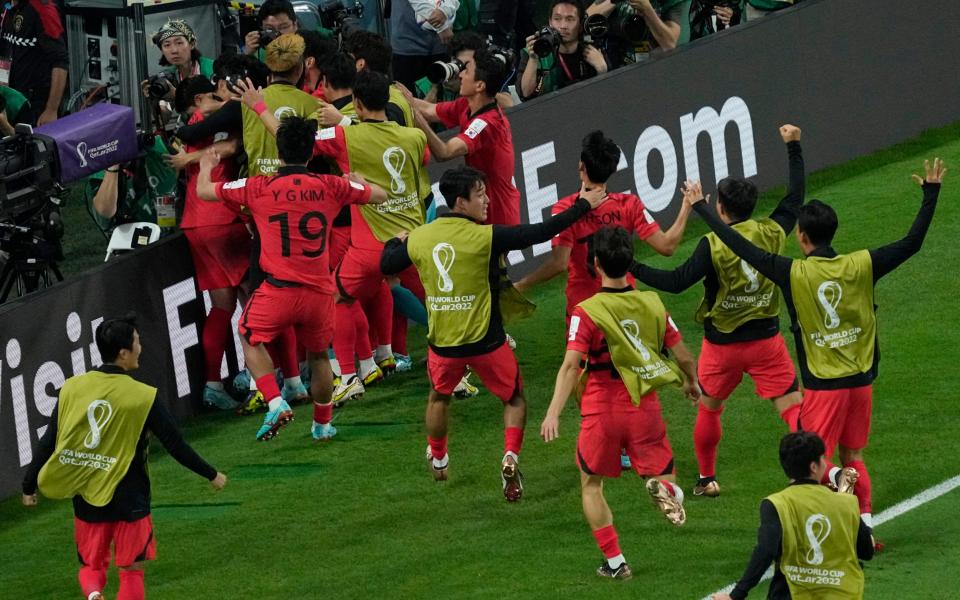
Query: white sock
{"type": "Point", "coordinates": [383, 352]}
{"type": "Point", "coordinates": [367, 365]}
{"type": "Point", "coordinates": [835, 475]}
{"type": "Point", "coordinates": [320, 424]}
{"type": "Point", "coordinates": [253, 383]}
{"type": "Point", "coordinates": [441, 463]}
{"type": "Point", "coordinates": [94, 595]}
{"type": "Point", "coordinates": [867, 519]}
{"type": "Point", "coordinates": [291, 382]}
{"type": "Point", "coordinates": [215, 385]}
{"type": "Point", "coordinates": [335, 366]}
{"type": "Point", "coordinates": [512, 455]}
{"type": "Point", "coordinates": [275, 403]}
{"type": "Point", "coordinates": [615, 561]}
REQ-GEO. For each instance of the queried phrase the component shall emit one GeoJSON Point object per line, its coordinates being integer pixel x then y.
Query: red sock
{"type": "Point", "coordinates": [215, 331]}
{"type": "Point", "coordinates": [513, 440]}
{"type": "Point", "coordinates": [607, 540]}
{"type": "Point", "coordinates": [268, 387]}
{"type": "Point", "coordinates": [399, 333]}
{"type": "Point", "coordinates": [322, 413]}
{"type": "Point", "coordinates": [345, 336]}
{"type": "Point", "coordinates": [438, 448]}
{"type": "Point", "coordinates": [791, 416]}
{"type": "Point", "coordinates": [706, 437]}
{"type": "Point", "coordinates": [131, 585]}
{"type": "Point", "coordinates": [92, 580]}
{"type": "Point", "coordinates": [379, 309]}
{"type": "Point", "coordinates": [862, 489]}
{"type": "Point", "coordinates": [362, 330]}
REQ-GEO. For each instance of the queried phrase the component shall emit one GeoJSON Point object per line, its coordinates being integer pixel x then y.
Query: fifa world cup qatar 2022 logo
{"type": "Point", "coordinates": [828, 295]}
{"type": "Point", "coordinates": [394, 160]}
{"type": "Point", "coordinates": [443, 257]}
{"type": "Point", "coordinates": [817, 528]}
{"type": "Point", "coordinates": [753, 278]}
{"type": "Point", "coordinates": [82, 153]}
{"type": "Point", "coordinates": [632, 330]}
{"type": "Point", "coordinates": [98, 415]}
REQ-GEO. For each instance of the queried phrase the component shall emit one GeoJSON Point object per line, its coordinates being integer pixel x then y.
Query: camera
{"type": "Point", "coordinates": [442, 72]}
{"type": "Point", "coordinates": [159, 85]}
{"type": "Point", "coordinates": [503, 53]}
{"type": "Point", "coordinates": [547, 42]}
{"type": "Point", "coordinates": [267, 36]}
{"type": "Point", "coordinates": [335, 15]}
{"type": "Point", "coordinates": [595, 30]}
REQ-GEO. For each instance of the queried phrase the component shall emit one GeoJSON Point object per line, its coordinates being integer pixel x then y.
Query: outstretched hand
{"type": "Point", "coordinates": [693, 193]}
{"type": "Point", "coordinates": [595, 196]}
{"type": "Point", "coordinates": [934, 173]}
{"type": "Point", "coordinates": [249, 93]}
{"type": "Point", "coordinates": [209, 160]}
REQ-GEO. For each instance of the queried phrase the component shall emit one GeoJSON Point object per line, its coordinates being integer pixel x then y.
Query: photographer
{"type": "Point", "coordinates": [418, 36]}
{"type": "Point", "coordinates": [566, 59]}
{"type": "Point", "coordinates": [462, 49]}
{"type": "Point", "coordinates": [711, 16]}
{"type": "Point", "coordinates": [638, 27]}
{"type": "Point", "coordinates": [178, 47]}
{"type": "Point", "coordinates": [276, 17]}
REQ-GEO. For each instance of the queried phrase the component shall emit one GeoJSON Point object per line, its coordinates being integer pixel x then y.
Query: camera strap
{"type": "Point", "coordinates": [566, 69]}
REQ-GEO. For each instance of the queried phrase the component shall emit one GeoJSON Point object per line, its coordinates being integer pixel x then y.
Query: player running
{"type": "Point", "coordinates": [739, 310]}
{"type": "Point", "coordinates": [293, 212]}
{"type": "Point", "coordinates": [465, 323]}
{"type": "Point", "coordinates": [830, 298]}
{"type": "Point", "coordinates": [623, 334]}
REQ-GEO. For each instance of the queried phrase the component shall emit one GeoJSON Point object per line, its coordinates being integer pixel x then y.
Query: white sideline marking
{"type": "Point", "coordinates": [889, 514]}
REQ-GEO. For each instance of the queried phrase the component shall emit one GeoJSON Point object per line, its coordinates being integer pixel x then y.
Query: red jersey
{"type": "Point", "coordinates": [490, 150]}
{"type": "Point", "coordinates": [197, 212]}
{"type": "Point", "coordinates": [293, 211]}
{"type": "Point", "coordinates": [619, 210]}
{"type": "Point", "coordinates": [604, 392]}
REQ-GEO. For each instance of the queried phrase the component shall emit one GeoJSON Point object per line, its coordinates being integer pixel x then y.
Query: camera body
{"type": "Point", "coordinates": [267, 36]}
{"type": "Point", "coordinates": [336, 16]}
{"type": "Point", "coordinates": [547, 41]}
{"type": "Point", "coordinates": [442, 72]}
{"type": "Point", "coordinates": [595, 30]}
{"type": "Point", "coordinates": [159, 85]}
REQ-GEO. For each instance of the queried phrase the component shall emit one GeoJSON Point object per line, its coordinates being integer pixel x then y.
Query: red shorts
{"type": "Point", "coordinates": [838, 416]}
{"type": "Point", "coordinates": [221, 254]}
{"type": "Point", "coordinates": [721, 367]}
{"type": "Point", "coordinates": [270, 310]}
{"type": "Point", "coordinates": [498, 370]}
{"type": "Point", "coordinates": [339, 242]}
{"type": "Point", "coordinates": [358, 275]}
{"type": "Point", "coordinates": [642, 433]}
{"type": "Point", "coordinates": [132, 542]}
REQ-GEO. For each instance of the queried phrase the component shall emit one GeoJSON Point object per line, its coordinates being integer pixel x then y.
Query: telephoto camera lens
{"type": "Point", "coordinates": [547, 42]}
{"type": "Point", "coordinates": [442, 72]}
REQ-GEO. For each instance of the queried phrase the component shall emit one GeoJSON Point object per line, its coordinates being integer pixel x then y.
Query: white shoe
{"type": "Point", "coordinates": [349, 388]}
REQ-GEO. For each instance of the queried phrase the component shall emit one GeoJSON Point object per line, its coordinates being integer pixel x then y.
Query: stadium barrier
{"type": "Point", "coordinates": [700, 112]}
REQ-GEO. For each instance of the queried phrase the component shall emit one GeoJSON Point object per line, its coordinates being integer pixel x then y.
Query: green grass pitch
{"type": "Point", "coordinates": [361, 517]}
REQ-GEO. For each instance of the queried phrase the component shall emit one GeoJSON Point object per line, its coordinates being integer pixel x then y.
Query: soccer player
{"type": "Point", "coordinates": [485, 140]}
{"type": "Point", "coordinates": [599, 156]}
{"type": "Point", "coordinates": [739, 310]}
{"type": "Point", "coordinates": [292, 211]}
{"type": "Point", "coordinates": [806, 526]}
{"type": "Point", "coordinates": [395, 158]}
{"type": "Point", "coordinates": [465, 323]}
{"type": "Point", "coordinates": [830, 298]}
{"type": "Point", "coordinates": [95, 451]}
{"type": "Point", "coordinates": [623, 334]}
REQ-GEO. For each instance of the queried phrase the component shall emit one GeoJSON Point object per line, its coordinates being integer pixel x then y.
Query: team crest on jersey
{"type": "Point", "coordinates": [18, 23]}
{"type": "Point", "coordinates": [233, 185]}
{"type": "Point", "coordinates": [476, 126]}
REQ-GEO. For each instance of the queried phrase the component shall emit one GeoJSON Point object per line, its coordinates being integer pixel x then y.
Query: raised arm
{"type": "Point", "coordinates": [439, 149]}
{"type": "Point", "coordinates": [690, 272]}
{"type": "Point", "coordinates": [206, 187]}
{"type": "Point", "coordinates": [228, 118]}
{"type": "Point", "coordinates": [518, 237]}
{"type": "Point", "coordinates": [253, 97]}
{"type": "Point", "coordinates": [785, 214]}
{"type": "Point", "coordinates": [666, 242]}
{"type": "Point", "coordinates": [887, 258]}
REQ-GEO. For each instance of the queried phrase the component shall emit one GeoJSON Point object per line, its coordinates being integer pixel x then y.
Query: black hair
{"type": "Point", "coordinates": [818, 221]}
{"type": "Point", "coordinates": [241, 65]}
{"type": "Point", "coordinates": [600, 156]}
{"type": "Point", "coordinates": [574, 3]}
{"type": "Point", "coordinates": [295, 138]}
{"type": "Point", "coordinates": [316, 47]}
{"type": "Point", "coordinates": [271, 8]}
{"type": "Point", "coordinates": [459, 182]}
{"type": "Point", "coordinates": [797, 451]}
{"type": "Point", "coordinates": [373, 89]}
{"type": "Point", "coordinates": [490, 70]}
{"type": "Point", "coordinates": [738, 197]}
{"type": "Point", "coordinates": [188, 89]}
{"type": "Point", "coordinates": [466, 40]}
{"type": "Point", "coordinates": [613, 247]}
{"type": "Point", "coordinates": [195, 55]}
{"type": "Point", "coordinates": [340, 70]}
{"type": "Point", "coordinates": [115, 334]}
{"type": "Point", "coordinates": [370, 47]}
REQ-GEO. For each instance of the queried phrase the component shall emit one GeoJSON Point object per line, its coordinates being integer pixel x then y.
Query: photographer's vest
{"type": "Point", "coordinates": [452, 255]}
{"type": "Point", "coordinates": [833, 298]}
{"type": "Point", "coordinates": [283, 100]}
{"type": "Point", "coordinates": [743, 294]}
{"type": "Point", "coordinates": [100, 419]}
{"type": "Point", "coordinates": [390, 156]}
{"type": "Point", "coordinates": [819, 552]}
{"type": "Point", "coordinates": [634, 325]}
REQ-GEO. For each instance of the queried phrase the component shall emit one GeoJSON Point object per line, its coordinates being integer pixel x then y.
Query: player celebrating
{"type": "Point", "coordinates": [465, 324]}
{"type": "Point", "coordinates": [830, 298]}
{"type": "Point", "coordinates": [623, 335]}
{"type": "Point", "coordinates": [599, 156]}
{"type": "Point", "coordinates": [739, 311]}
{"type": "Point", "coordinates": [292, 211]}
{"type": "Point", "coordinates": [95, 451]}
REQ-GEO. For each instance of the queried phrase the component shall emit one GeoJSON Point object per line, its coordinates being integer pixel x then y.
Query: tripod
{"type": "Point", "coordinates": [26, 270]}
